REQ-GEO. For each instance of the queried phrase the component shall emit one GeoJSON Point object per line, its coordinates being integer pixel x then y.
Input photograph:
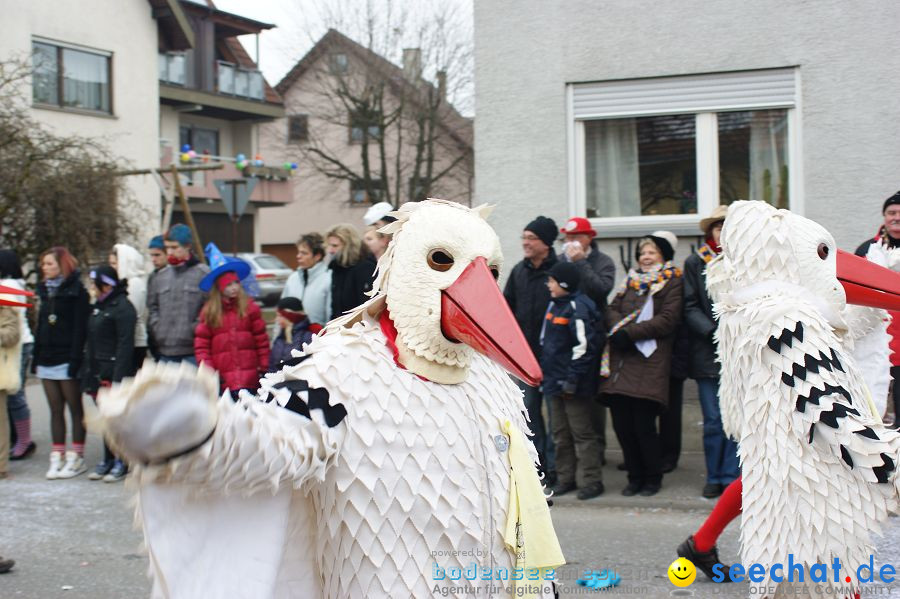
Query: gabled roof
{"type": "Point", "coordinates": [458, 126]}
{"type": "Point", "coordinates": [227, 24]}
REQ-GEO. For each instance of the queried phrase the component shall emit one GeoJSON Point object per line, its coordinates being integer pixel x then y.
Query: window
{"type": "Point", "coordinates": [298, 128]}
{"type": "Point", "coordinates": [363, 126]}
{"type": "Point", "coordinates": [172, 68]}
{"type": "Point", "coordinates": [663, 152]}
{"type": "Point", "coordinates": [359, 194]}
{"type": "Point", "coordinates": [70, 78]}
{"type": "Point", "coordinates": [338, 64]}
{"type": "Point", "coordinates": [203, 141]}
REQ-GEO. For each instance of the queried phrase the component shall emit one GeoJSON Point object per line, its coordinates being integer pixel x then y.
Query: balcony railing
{"type": "Point", "coordinates": [237, 81]}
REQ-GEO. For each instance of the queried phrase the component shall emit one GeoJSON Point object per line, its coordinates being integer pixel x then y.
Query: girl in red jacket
{"type": "Point", "coordinates": [231, 336]}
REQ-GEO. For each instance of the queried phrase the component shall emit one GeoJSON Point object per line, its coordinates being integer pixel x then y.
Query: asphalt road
{"type": "Point", "coordinates": [75, 538]}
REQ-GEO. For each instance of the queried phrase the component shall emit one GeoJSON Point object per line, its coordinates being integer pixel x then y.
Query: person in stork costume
{"type": "Point", "coordinates": [393, 438]}
{"type": "Point", "coordinates": [818, 465]}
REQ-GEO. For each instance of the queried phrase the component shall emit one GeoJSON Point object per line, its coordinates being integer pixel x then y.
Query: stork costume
{"type": "Point", "coordinates": [385, 455]}
{"type": "Point", "coordinates": [819, 468]}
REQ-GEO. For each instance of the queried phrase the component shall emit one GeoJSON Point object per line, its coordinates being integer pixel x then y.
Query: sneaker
{"type": "Point", "coordinates": [73, 467]}
{"type": "Point", "coordinates": [702, 560]}
{"type": "Point", "coordinates": [590, 491]}
{"type": "Point", "coordinates": [632, 489]}
{"type": "Point", "coordinates": [101, 470]}
{"type": "Point", "coordinates": [712, 490]}
{"type": "Point", "coordinates": [56, 463]}
{"type": "Point", "coordinates": [563, 488]}
{"type": "Point", "coordinates": [117, 473]}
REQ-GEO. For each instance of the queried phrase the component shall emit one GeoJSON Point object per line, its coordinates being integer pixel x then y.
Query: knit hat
{"type": "Point", "coordinates": [665, 241]}
{"type": "Point", "coordinates": [566, 274]}
{"type": "Point", "coordinates": [894, 199]}
{"type": "Point", "coordinates": [156, 243]}
{"type": "Point", "coordinates": [578, 226]}
{"type": "Point", "coordinates": [104, 275]}
{"type": "Point", "coordinates": [544, 228]}
{"type": "Point", "coordinates": [291, 308]}
{"type": "Point", "coordinates": [378, 212]}
{"type": "Point", "coordinates": [181, 234]}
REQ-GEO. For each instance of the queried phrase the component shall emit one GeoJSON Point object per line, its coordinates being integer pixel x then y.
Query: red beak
{"type": "Point", "coordinates": [866, 283]}
{"type": "Point", "coordinates": [474, 312]}
{"type": "Point", "coordinates": [13, 291]}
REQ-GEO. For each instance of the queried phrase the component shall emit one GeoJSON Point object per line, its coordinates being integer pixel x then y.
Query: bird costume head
{"type": "Point", "coordinates": [765, 250]}
{"type": "Point", "coordinates": [438, 280]}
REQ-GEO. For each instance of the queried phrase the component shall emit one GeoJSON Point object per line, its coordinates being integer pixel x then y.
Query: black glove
{"type": "Point", "coordinates": [620, 340]}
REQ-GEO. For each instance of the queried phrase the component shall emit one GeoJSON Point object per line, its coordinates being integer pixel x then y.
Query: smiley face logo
{"type": "Point", "coordinates": [682, 572]}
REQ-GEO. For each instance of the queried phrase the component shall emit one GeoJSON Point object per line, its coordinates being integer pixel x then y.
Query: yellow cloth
{"type": "Point", "coordinates": [529, 529]}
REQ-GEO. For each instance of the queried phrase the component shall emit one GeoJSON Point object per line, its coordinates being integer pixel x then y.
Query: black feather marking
{"type": "Point", "coordinates": [836, 412]}
{"type": "Point", "coordinates": [835, 362]}
{"type": "Point", "coordinates": [798, 332]}
{"type": "Point", "coordinates": [815, 394]}
{"type": "Point", "coordinates": [845, 455]}
{"type": "Point", "coordinates": [868, 433]}
{"type": "Point", "coordinates": [318, 400]}
{"type": "Point", "coordinates": [811, 364]}
{"type": "Point", "coordinates": [812, 429]}
{"type": "Point", "coordinates": [882, 472]}
{"type": "Point", "coordinates": [774, 344]}
{"type": "Point", "coordinates": [824, 361]}
{"type": "Point", "coordinates": [800, 372]}
{"type": "Point", "coordinates": [787, 380]}
{"type": "Point", "coordinates": [786, 337]}
{"type": "Point", "coordinates": [292, 361]}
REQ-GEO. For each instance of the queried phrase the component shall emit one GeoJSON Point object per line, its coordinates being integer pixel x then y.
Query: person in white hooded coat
{"type": "Point", "coordinates": [130, 265]}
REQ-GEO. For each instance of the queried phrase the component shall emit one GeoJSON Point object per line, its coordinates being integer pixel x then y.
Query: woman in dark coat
{"type": "Point", "coordinates": [109, 352]}
{"type": "Point", "coordinates": [58, 351]}
{"type": "Point", "coordinates": [352, 268]}
{"type": "Point", "coordinates": [637, 361]}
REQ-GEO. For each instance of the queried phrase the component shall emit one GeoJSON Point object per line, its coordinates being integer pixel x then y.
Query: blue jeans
{"type": "Point", "coordinates": [18, 407]}
{"type": "Point", "coordinates": [543, 440]}
{"type": "Point", "coordinates": [187, 358]}
{"type": "Point", "coordinates": [722, 464]}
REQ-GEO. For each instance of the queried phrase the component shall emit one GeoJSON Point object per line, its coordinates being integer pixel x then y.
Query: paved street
{"type": "Point", "coordinates": [74, 539]}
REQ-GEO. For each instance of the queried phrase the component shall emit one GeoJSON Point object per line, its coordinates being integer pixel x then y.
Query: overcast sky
{"type": "Point", "coordinates": [298, 22]}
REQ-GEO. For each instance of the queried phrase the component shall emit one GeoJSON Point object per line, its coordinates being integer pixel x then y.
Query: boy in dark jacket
{"type": "Point", "coordinates": [295, 331]}
{"type": "Point", "coordinates": [569, 361]}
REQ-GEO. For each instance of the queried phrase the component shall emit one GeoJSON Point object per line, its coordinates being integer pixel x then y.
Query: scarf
{"type": "Point", "coordinates": [642, 282]}
{"type": "Point", "coordinates": [709, 250]}
{"type": "Point", "coordinates": [53, 284]}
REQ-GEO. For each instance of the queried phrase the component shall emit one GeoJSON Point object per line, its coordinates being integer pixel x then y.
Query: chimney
{"type": "Point", "coordinates": [442, 85]}
{"type": "Point", "coordinates": [412, 63]}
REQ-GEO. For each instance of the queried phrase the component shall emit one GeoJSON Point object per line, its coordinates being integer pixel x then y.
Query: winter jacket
{"type": "Point", "coordinates": [631, 374]}
{"type": "Point", "coordinates": [527, 295]}
{"type": "Point", "coordinates": [349, 284]}
{"type": "Point", "coordinates": [698, 316]}
{"type": "Point", "coordinates": [130, 267]}
{"type": "Point", "coordinates": [302, 332]}
{"type": "Point", "coordinates": [238, 349]}
{"type": "Point", "coordinates": [62, 324]}
{"type": "Point", "coordinates": [109, 350]}
{"type": "Point", "coordinates": [174, 302]}
{"type": "Point", "coordinates": [598, 275]}
{"type": "Point", "coordinates": [312, 287]}
{"type": "Point", "coordinates": [894, 327]}
{"type": "Point", "coordinates": [10, 350]}
{"type": "Point", "coordinates": [569, 352]}
{"type": "Point", "coordinates": [25, 329]}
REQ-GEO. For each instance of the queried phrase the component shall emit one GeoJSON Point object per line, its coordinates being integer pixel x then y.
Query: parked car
{"type": "Point", "coordinates": [271, 275]}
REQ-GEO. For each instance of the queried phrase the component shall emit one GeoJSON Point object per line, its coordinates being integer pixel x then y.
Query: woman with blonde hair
{"type": "Point", "coordinates": [352, 267]}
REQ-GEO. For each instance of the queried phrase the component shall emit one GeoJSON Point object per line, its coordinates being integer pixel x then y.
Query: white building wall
{"type": "Point", "coordinates": [848, 65]}
{"type": "Point", "coordinates": [127, 30]}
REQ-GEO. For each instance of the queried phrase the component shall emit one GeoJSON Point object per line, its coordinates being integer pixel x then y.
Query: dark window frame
{"type": "Point", "coordinates": [60, 80]}
{"type": "Point", "coordinates": [356, 124]}
{"type": "Point", "coordinates": [338, 67]}
{"type": "Point", "coordinates": [359, 186]}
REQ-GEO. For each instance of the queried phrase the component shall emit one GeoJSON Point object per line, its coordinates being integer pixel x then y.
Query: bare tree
{"type": "Point", "coordinates": [54, 189]}
{"type": "Point", "coordinates": [406, 137]}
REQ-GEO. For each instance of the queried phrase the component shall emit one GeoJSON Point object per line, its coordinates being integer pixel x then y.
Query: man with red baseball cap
{"type": "Point", "coordinates": [598, 274]}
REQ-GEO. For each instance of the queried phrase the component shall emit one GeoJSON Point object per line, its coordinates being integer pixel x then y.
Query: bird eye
{"type": "Point", "coordinates": [495, 272]}
{"type": "Point", "coordinates": [440, 260]}
{"type": "Point", "coordinates": [823, 251]}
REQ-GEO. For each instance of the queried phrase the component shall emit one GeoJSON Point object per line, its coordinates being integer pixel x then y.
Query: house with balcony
{"type": "Point", "coordinates": [212, 97]}
{"type": "Point", "coordinates": [645, 116]}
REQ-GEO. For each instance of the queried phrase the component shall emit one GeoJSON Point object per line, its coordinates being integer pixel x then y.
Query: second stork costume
{"type": "Point", "coordinates": [394, 439]}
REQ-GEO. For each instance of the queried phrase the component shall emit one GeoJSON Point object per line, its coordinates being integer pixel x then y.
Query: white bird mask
{"type": "Point", "coordinates": [438, 281]}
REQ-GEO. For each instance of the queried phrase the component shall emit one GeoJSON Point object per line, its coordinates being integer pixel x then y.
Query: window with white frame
{"type": "Point", "coordinates": [68, 77]}
{"type": "Point", "coordinates": [670, 149]}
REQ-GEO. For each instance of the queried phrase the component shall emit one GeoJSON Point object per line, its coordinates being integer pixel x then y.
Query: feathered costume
{"type": "Point", "coordinates": [383, 455]}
